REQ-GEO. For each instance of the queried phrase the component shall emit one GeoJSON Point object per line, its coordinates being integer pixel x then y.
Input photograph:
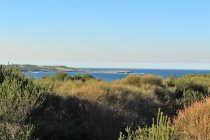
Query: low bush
{"type": "Point", "coordinates": [170, 82]}
{"type": "Point", "coordinates": [73, 118]}
{"type": "Point", "coordinates": [61, 76]}
{"type": "Point", "coordinates": [193, 123]}
{"type": "Point", "coordinates": [161, 129]}
{"type": "Point", "coordinates": [187, 92]}
{"type": "Point", "coordinates": [139, 80]}
{"type": "Point", "coordinates": [19, 96]}
{"type": "Point", "coordinates": [184, 85]}
{"type": "Point", "coordinates": [83, 77]}
{"type": "Point", "coordinates": [189, 97]}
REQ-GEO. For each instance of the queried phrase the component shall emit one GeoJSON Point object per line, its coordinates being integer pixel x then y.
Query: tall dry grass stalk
{"type": "Point", "coordinates": [193, 123]}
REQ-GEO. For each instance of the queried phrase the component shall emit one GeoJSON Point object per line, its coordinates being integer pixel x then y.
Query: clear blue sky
{"type": "Point", "coordinates": [106, 33]}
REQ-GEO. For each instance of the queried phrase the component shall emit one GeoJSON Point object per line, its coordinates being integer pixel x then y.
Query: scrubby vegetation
{"type": "Point", "coordinates": [82, 107]}
{"type": "Point", "coordinates": [19, 97]}
{"type": "Point", "coordinates": [160, 130]}
{"type": "Point", "coordinates": [194, 122]}
{"type": "Point", "coordinates": [61, 76]}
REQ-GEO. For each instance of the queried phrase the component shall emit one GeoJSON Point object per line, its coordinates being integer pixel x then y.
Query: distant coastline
{"type": "Point", "coordinates": [44, 68]}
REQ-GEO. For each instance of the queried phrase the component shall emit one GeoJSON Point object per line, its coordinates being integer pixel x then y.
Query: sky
{"type": "Point", "coordinates": [163, 34]}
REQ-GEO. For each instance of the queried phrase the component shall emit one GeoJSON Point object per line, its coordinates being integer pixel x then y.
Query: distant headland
{"type": "Point", "coordinates": [60, 68]}
{"type": "Point", "coordinates": [43, 68]}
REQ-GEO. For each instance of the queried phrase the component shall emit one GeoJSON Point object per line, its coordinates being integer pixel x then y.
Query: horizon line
{"type": "Point", "coordinates": [101, 67]}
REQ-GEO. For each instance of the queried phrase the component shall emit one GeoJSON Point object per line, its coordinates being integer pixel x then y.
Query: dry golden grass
{"type": "Point", "coordinates": [78, 88]}
{"type": "Point", "coordinates": [200, 79]}
{"type": "Point", "coordinates": [140, 80]}
{"type": "Point", "coordinates": [94, 90]}
{"type": "Point", "coordinates": [193, 123]}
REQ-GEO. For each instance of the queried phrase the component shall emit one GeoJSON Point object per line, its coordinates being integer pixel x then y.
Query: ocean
{"type": "Point", "coordinates": [101, 73]}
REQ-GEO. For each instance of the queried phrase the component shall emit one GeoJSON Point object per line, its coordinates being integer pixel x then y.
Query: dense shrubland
{"type": "Point", "coordinates": [82, 107]}
{"type": "Point", "coordinates": [161, 129]}
{"type": "Point", "coordinates": [19, 96]}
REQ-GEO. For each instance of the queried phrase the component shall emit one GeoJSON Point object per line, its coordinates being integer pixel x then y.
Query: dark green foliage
{"type": "Point", "coordinates": [73, 118]}
{"type": "Point", "coordinates": [189, 97]}
{"type": "Point", "coordinates": [171, 81]}
{"type": "Point", "coordinates": [160, 130]}
{"type": "Point", "coordinates": [183, 85]}
{"type": "Point", "coordinates": [1, 75]}
{"type": "Point", "coordinates": [19, 96]}
{"type": "Point", "coordinates": [82, 77]}
{"type": "Point", "coordinates": [163, 94]}
{"type": "Point", "coordinates": [87, 76]}
{"type": "Point", "coordinates": [188, 91]}
{"type": "Point", "coordinates": [129, 101]}
{"type": "Point", "coordinates": [61, 76]}
{"type": "Point", "coordinates": [47, 77]}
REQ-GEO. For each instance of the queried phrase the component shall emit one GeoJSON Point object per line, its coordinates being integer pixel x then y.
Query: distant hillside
{"type": "Point", "coordinates": [35, 68]}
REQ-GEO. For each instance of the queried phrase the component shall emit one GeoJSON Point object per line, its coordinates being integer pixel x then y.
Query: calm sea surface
{"type": "Point", "coordinates": [100, 74]}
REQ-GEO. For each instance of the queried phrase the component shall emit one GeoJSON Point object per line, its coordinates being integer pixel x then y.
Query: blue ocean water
{"type": "Point", "coordinates": [100, 74]}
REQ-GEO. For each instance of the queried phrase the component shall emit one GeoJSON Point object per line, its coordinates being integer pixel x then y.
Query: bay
{"type": "Point", "coordinates": [108, 74]}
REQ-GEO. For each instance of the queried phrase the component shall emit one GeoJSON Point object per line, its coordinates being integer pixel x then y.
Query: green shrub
{"type": "Point", "coordinates": [189, 97]}
{"type": "Point", "coordinates": [184, 85]}
{"type": "Point", "coordinates": [61, 76]}
{"type": "Point", "coordinates": [82, 77]}
{"type": "Point", "coordinates": [87, 76]}
{"type": "Point", "coordinates": [188, 91]}
{"type": "Point", "coordinates": [45, 77]}
{"type": "Point", "coordinates": [77, 119]}
{"type": "Point", "coordinates": [170, 82]}
{"type": "Point", "coordinates": [139, 80]}
{"type": "Point", "coordinates": [160, 130]}
{"type": "Point", "coordinates": [19, 96]}
{"type": "Point", "coordinates": [198, 78]}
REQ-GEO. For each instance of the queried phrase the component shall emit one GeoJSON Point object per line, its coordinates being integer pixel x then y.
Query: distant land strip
{"type": "Point", "coordinates": [44, 68]}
